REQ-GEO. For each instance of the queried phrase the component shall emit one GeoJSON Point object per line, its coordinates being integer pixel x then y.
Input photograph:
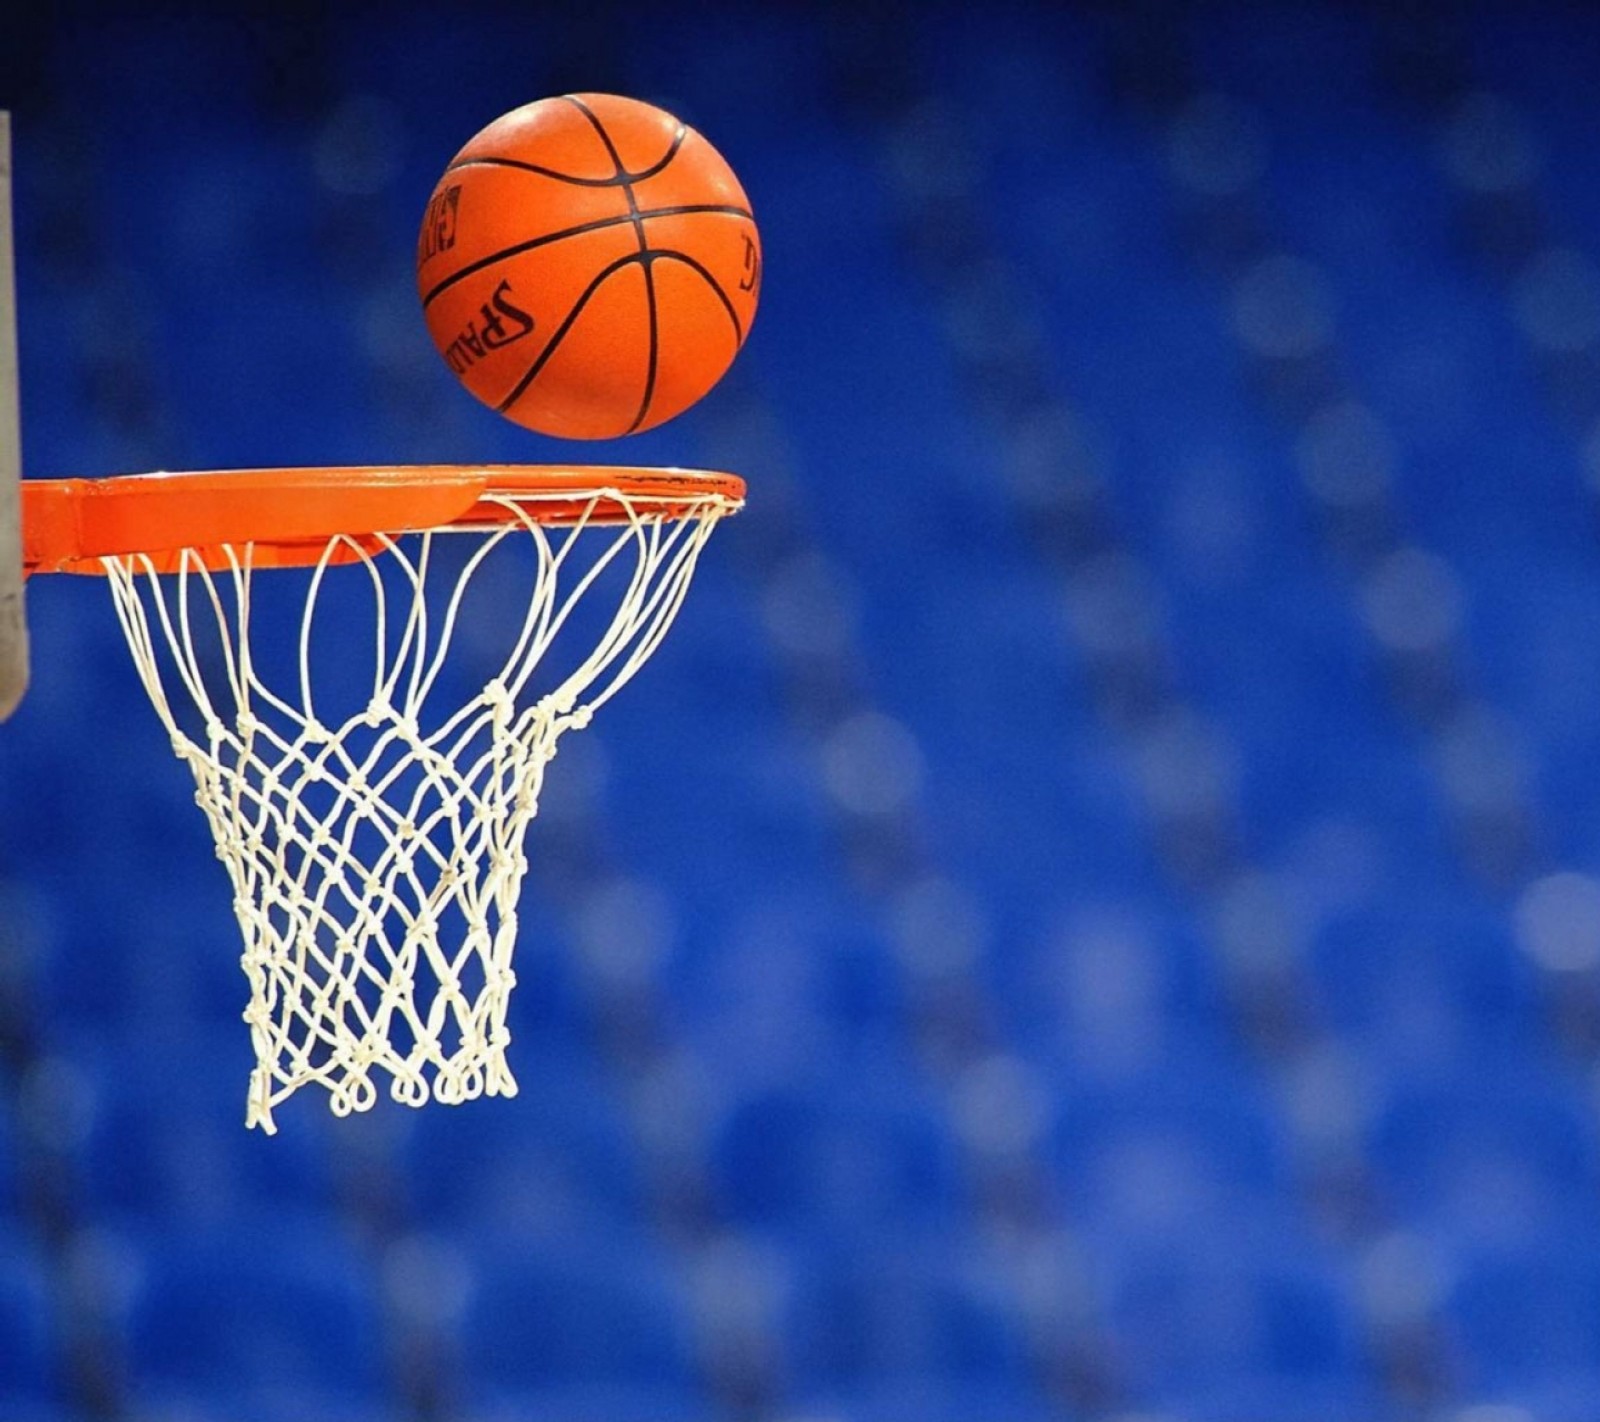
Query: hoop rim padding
{"type": "Point", "coordinates": [289, 517]}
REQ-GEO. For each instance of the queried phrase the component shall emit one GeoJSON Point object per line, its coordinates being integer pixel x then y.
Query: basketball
{"type": "Point", "coordinates": [588, 266]}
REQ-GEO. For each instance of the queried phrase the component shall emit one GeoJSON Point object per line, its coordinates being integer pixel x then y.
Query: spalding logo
{"type": "Point", "coordinates": [499, 323]}
{"type": "Point", "coordinates": [439, 224]}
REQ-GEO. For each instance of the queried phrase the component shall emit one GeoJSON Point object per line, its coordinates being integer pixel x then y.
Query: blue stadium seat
{"type": "Point", "coordinates": [778, 979]}
{"type": "Point", "coordinates": [923, 1320]}
{"type": "Point", "coordinates": [1417, 979]}
{"type": "Point", "coordinates": [1526, 1321]}
{"type": "Point", "coordinates": [164, 1137]}
{"type": "Point", "coordinates": [930, 1401]}
{"type": "Point", "coordinates": [599, 1403]}
{"type": "Point", "coordinates": [281, 1404]}
{"type": "Point", "coordinates": [1504, 1159]}
{"type": "Point", "coordinates": [1246, 1398]}
{"type": "Point", "coordinates": [1117, 970]}
{"type": "Point", "coordinates": [556, 1160]}
{"type": "Point", "coordinates": [823, 1160]}
{"type": "Point", "coordinates": [590, 1316]}
{"type": "Point", "coordinates": [11, 1162]}
{"type": "Point", "coordinates": [258, 1314]}
{"type": "Point", "coordinates": [136, 955]}
{"type": "Point", "coordinates": [1266, 1315]}
{"type": "Point", "coordinates": [30, 1361]}
{"type": "Point", "coordinates": [1181, 1144]}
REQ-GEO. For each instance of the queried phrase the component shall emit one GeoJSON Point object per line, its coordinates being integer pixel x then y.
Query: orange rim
{"type": "Point", "coordinates": [288, 516]}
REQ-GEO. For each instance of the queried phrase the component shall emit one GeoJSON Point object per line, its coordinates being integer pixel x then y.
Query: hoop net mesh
{"type": "Point", "coordinates": [377, 856]}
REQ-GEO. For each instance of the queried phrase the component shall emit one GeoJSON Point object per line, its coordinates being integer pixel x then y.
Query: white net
{"type": "Point", "coordinates": [376, 852]}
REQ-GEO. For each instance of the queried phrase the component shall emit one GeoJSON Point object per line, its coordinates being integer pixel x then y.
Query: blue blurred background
{"type": "Point", "coordinates": [1094, 912]}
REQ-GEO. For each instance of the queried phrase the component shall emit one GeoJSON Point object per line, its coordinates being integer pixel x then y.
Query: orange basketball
{"type": "Point", "coordinates": [589, 266]}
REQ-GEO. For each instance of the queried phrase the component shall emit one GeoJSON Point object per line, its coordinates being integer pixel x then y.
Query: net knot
{"type": "Point", "coordinates": [413, 1090]}
{"type": "Point", "coordinates": [356, 1093]}
{"type": "Point", "coordinates": [381, 710]}
{"type": "Point", "coordinates": [497, 697]}
{"type": "Point", "coordinates": [189, 753]}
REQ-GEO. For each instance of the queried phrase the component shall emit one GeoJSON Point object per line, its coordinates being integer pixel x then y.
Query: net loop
{"type": "Point", "coordinates": [376, 858]}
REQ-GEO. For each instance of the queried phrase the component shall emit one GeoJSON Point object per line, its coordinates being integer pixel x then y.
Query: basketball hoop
{"type": "Point", "coordinates": [375, 849]}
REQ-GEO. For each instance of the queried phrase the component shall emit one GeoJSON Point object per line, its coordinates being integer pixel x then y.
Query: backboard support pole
{"type": "Point", "coordinates": [13, 622]}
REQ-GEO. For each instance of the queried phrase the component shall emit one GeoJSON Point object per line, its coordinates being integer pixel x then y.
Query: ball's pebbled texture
{"type": "Point", "coordinates": [589, 266]}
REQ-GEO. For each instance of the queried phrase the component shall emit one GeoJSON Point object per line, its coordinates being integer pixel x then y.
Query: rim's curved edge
{"type": "Point", "coordinates": [288, 516]}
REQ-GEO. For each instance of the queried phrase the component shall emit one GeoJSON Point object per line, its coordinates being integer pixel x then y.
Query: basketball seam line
{"type": "Point", "coordinates": [620, 178]}
{"type": "Point", "coordinates": [540, 360]}
{"type": "Point", "coordinates": [644, 248]}
{"type": "Point", "coordinates": [505, 253]}
{"type": "Point", "coordinates": [655, 339]}
{"type": "Point", "coordinates": [672, 254]}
